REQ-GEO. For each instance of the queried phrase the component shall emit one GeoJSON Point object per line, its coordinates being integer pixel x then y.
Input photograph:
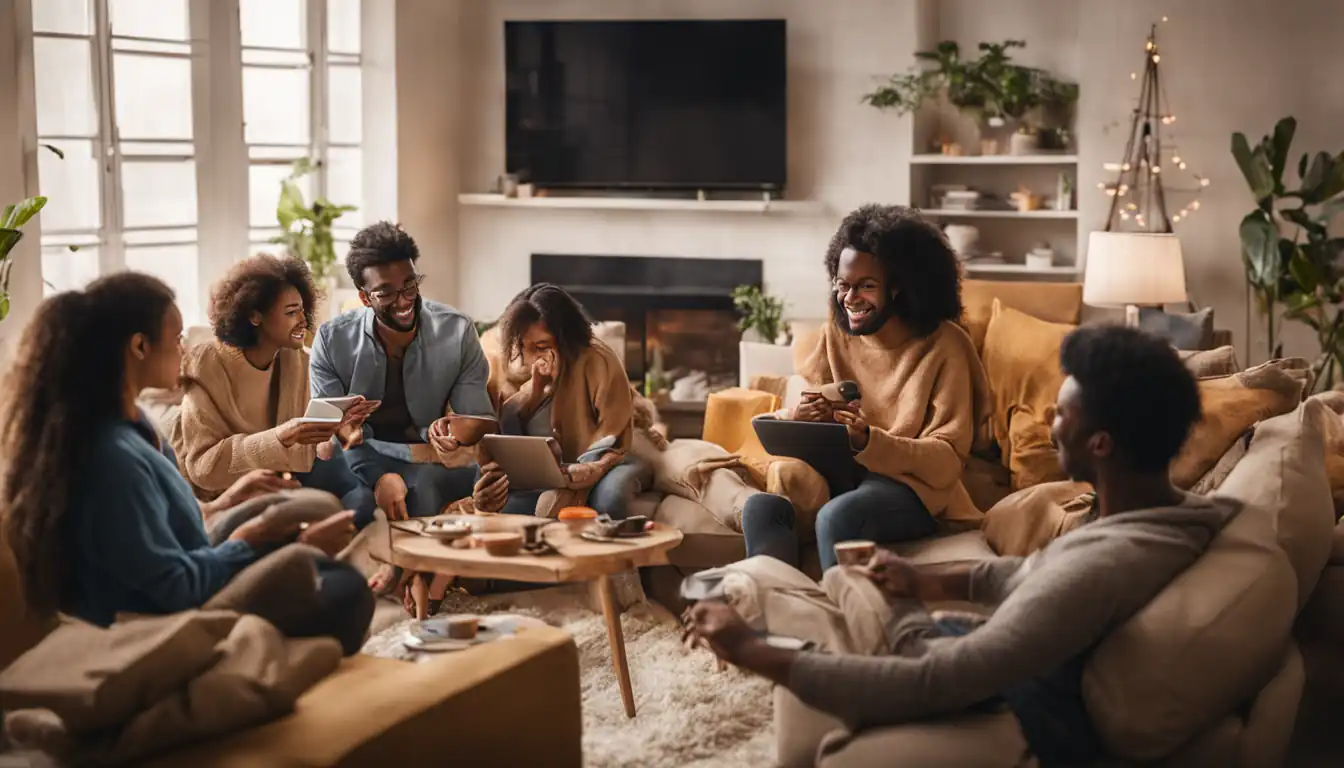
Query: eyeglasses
{"type": "Point", "coordinates": [387, 297]}
{"type": "Point", "coordinates": [869, 286]}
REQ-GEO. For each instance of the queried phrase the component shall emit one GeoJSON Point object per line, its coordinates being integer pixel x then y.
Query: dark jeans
{"type": "Point", "coordinates": [345, 606]}
{"type": "Point", "coordinates": [611, 496]}
{"type": "Point", "coordinates": [879, 509]}
{"type": "Point", "coordinates": [335, 477]}
{"type": "Point", "coordinates": [429, 487]}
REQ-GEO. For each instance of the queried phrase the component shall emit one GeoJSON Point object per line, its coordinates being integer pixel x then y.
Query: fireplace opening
{"type": "Point", "coordinates": [680, 326]}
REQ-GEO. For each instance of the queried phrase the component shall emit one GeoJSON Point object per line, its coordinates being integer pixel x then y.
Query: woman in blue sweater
{"type": "Point", "coordinates": [98, 517]}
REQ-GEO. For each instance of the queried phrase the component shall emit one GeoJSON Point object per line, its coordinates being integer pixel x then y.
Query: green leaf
{"type": "Point", "coordinates": [18, 215]}
{"type": "Point", "coordinates": [8, 239]}
{"type": "Point", "coordinates": [1334, 180]}
{"type": "Point", "coordinates": [73, 248]}
{"type": "Point", "coordinates": [1315, 177]}
{"type": "Point", "coordinates": [1302, 165]}
{"type": "Point", "coordinates": [55, 150]}
{"type": "Point", "coordinates": [1254, 166]}
{"type": "Point", "coordinates": [4, 305]}
{"type": "Point", "coordinates": [1301, 218]}
{"type": "Point", "coordinates": [1278, 149]}
{"type": "Point", "coordinates": [1329, 209]}
{"type": "Point", "coordinates": [1306, 273]}
{"type": "Point", "coordinates": [1260, 250]}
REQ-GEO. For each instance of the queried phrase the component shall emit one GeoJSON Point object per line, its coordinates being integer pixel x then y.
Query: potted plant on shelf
{"type": "Point", "coordinates": [307, 229]}
{"type": "Point", "coordinates": [1292, 262]}
{"type": "Point", "coordinates": [991, 88]}
{"type": "Point", "coordinates": [762, 318]}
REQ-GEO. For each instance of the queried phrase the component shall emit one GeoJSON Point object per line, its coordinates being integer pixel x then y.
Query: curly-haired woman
{"type": "Point", "coordinates": [97, 516]}
{"type": "Point", "coordinates": [895, 305]}
{"type": "Point", "coordinates": [578, 394]}
{"type": "Point", "coordinates": [246, 391]}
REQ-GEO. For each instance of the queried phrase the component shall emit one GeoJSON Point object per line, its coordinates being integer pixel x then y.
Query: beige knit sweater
{"type": "Point", "coordinates": [925, 400]}
{"type": "Point", "coordinates": [224, 431]}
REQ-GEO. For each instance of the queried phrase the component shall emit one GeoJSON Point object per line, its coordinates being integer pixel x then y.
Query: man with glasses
{"type": "Point", "coordinates": [419, 358]}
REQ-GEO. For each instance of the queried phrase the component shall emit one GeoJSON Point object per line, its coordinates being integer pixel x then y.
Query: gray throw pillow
{"type": "Point", "coordinates": [1190, 331]}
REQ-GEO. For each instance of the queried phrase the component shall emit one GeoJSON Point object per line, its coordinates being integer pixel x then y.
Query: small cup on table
{"type": "Point", "coordinates": [855, 552]}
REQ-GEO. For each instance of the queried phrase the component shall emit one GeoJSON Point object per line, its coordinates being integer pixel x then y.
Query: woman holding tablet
{"type": "Point", "coordinates": [578, 395]}
{"type": "Point", "coordinates": [247, 391]}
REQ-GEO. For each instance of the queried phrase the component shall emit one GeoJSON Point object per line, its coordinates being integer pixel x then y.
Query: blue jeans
{"type": "Point", "coordinates": [879, 509]}
{"type": "Point", "coordinates": [429, 487]}
{"type": "Point", "coordinates": [335, 477]}
{"type": "Point", "coordinates": [611, 496]}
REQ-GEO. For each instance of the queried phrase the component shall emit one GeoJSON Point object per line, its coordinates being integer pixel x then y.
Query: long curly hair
{"type": "Point", "coordinates": [68, 379]}
{"type": "Point", "coordinates": [916, 258]}
{"type": "Point", "coordinates": [566, 318]}
{"type": "Point", "coordinates": [254, 285]}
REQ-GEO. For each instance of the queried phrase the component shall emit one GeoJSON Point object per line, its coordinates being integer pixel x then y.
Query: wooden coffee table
{"type": "Point", "coordinates": [575, 560]}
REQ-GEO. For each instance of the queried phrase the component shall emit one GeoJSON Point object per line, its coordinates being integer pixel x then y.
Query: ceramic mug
{"type": "Point", "coordinates": [855, 552]}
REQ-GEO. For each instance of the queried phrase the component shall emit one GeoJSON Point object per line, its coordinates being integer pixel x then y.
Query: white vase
{"type": "Point", "coordinates": [1025, 143]}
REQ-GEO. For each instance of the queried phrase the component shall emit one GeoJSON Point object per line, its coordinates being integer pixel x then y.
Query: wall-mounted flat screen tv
{"type": "Point", "coordinates": [646, 104]}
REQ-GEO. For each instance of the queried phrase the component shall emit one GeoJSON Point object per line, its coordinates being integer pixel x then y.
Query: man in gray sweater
{"type": "Point", "coordinates": [1124, 412]}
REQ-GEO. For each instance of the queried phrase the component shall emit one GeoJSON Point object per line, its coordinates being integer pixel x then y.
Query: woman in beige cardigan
{"type": "Point", "coordinates": [246, 391]}
{"type": "Point", "coordinates": [578, 394]}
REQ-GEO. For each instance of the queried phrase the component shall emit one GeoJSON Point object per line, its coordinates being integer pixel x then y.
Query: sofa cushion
{"type": "Point", "coordinates": [1185, 330]}
{"type": "Point", "coordinates": [1051, 302]}
{"type": "Point", "coordinates": [966, 546]}
{"type": "Point", "coordinates": [706, 542]}
{"type": "Point", "coordinates": [1033, 517]}
{"type": "Point", "coordinates": [1201, 648]}
{"type": "Point", "coordinates": [1021, 358]}
{"type": "Point", "coordinates": [1283, 472]}
{"type": "Point", "coordinates": [1232, 404]}
{"type": "Point", "coordinates": [22, 629]}
{"type": "Point", "coordinates": [1221, 361]}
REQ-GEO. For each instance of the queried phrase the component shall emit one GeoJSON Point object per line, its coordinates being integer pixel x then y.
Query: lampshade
{"type": "Point", "coordinates": [1133, 268]}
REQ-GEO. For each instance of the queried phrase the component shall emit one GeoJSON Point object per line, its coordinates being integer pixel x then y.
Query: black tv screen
{"type": "Point", "coordinates": [646, 104]}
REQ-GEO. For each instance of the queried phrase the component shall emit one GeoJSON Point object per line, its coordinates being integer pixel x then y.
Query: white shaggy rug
{"type": "Point", "coordinates": [689, 714]}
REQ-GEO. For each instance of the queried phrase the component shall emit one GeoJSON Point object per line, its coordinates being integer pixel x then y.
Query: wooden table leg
{"type": "Point", "coordinates": [420, 594]}
{"type": "Point", "coordinates": [612, 613]}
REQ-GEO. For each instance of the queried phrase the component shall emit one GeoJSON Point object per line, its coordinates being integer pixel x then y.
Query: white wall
{"type": "Point", "coordinates": [840, 152]}
{"type": "Point", "coordinates": [1228, 65]}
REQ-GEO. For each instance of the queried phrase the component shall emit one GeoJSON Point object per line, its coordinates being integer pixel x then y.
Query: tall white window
{"type": "Point", "coordinates": [123, 92]}
{"type": "Point", "coordinates": [113, 84]}
{"type": "Point", "coordinates": [302, 98]}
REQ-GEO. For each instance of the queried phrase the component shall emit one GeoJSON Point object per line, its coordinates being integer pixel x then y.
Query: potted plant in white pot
{"type": "Point", "coordinates": [765, 334]}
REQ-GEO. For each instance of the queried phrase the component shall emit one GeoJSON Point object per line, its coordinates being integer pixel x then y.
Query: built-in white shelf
{"type": "Point", "coordinates": [644, 204]}
{"type": "Point", "coordinates": [1042, 159]}
{"type": "Point", "coordinates": [1067, 270]}
{"type": "Point", "coordinates": [1041, 214]}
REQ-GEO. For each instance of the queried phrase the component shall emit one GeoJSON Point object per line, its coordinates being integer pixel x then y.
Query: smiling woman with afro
{"type": "Point", "coordinates": [895, 296]}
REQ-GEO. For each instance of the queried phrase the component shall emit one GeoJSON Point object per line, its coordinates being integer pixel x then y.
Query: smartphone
{"type": "Point", "coordinates": [837, 393]}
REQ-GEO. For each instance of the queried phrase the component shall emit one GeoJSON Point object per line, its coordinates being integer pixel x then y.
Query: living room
{"type": "Point", "coordinates": [165, 135]}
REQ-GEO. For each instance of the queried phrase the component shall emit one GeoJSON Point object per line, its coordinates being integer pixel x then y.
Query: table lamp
{"type": "Point", "coordinates": [1132, 270]}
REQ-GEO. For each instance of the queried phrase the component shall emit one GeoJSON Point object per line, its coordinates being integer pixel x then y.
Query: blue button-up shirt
{"type": "Point", "coordinates": [444, 365]}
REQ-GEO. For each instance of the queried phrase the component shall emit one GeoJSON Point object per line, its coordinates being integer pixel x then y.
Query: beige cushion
{"type": "Point", "coordinates": [1283, 472]}
{"type": "Point", "coordinates": [1221, 361]}
{"type": "Point", "coordinates": [612, 333]}
{"type": "Point", "coordinates": [706, 542]}
{"type": "Point", "coordinates": [674, 469]}
{"type": "Point", "coordinates": [1201, 648]}
{"type": "Point", "coordinates": [137, 662]}
{"type": "Point", "coordinates": [991, 740]}
{"type": "Point", "coordinates": [1033, 517]}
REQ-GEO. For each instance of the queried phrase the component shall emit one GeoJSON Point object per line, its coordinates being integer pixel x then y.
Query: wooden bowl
{"type": "Point", "coordinates": [468, 430]}
{"type": "Point", "coordinates": [501, 543]}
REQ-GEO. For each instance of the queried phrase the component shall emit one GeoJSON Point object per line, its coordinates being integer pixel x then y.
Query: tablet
{"type": "Point", "coordinates": [529, 462]}
{"type": "Point", "coordinates": [823, 445]}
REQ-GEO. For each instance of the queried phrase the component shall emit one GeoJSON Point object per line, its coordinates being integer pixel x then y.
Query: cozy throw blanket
{"type": "Point", "coordinates": [229, 415]}
{"type": "Point", "coordinates": [120, 695]}
{"type": "Point", "coordinates": [926, 400]}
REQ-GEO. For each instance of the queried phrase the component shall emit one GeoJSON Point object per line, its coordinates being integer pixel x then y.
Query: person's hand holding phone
{"type": "Point", "coordinates": [300, 432]}
{"type": "Point", "coordinates": [813, 407]}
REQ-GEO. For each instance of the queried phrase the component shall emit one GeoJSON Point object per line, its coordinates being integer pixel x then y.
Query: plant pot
{"type": "Point", "coordinates": [1025, 143]}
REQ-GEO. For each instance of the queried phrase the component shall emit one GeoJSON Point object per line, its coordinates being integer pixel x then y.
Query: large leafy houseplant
{"type": "Point", "coordinates": [1293, 264]}
{"type": "Point", "coordinates": [760, 312]}
{"type": "Point", "coordinates": [307, 229]}
{"type": "Point", "coordinates": [11, 232]}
